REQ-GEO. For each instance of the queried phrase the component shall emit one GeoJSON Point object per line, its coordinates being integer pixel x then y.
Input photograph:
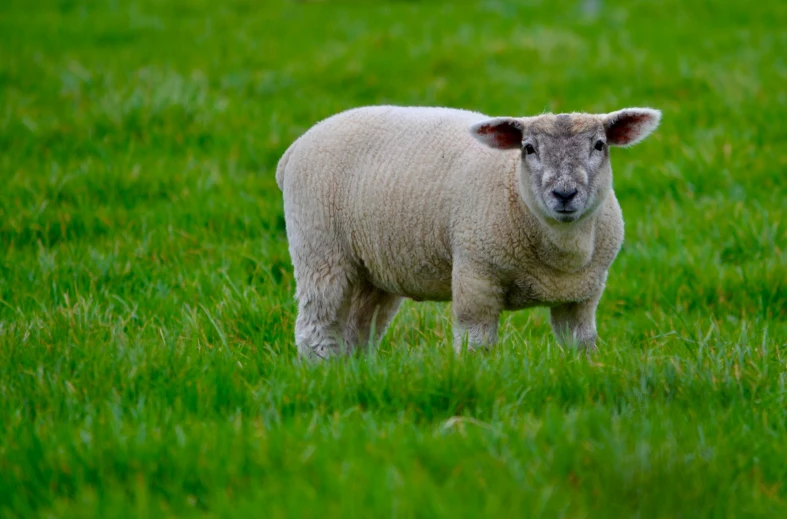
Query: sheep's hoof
{"type": "Point", "coordinates": [319, 353]}
{"type": "Point", "coordinates": [588, 347]}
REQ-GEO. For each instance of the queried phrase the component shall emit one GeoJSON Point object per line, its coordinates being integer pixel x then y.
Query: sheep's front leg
{"type": "Point", "coordinates": [477, 303]}
{"type": "Point", "coordinates": [575, 323]}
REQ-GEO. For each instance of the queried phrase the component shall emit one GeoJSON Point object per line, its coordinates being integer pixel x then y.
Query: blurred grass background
{"type": "Point", "coordinates": [146, 355]}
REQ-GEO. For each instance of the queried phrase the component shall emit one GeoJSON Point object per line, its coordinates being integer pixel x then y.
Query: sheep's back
{"type": "Point", "coordinates": [391, 180]}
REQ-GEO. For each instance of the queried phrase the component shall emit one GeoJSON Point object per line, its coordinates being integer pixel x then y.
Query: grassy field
{"type": "Point", "coordinates": [147, 365]}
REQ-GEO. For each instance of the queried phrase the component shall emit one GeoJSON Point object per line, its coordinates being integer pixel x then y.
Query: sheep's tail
{"type": "Point", "coordinates": [283, 165]}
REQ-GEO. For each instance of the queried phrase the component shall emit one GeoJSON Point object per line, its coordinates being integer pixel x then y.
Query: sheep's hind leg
{"type": "Point", "coordinates": [371, 310]}
{"type": "Point", "coordinates": [324, 293]}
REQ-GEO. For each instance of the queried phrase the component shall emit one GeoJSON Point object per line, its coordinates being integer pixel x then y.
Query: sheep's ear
{"type": "Point", "coordinates": [502, 133]}
{"type": "Point", "coordinates": [630, 125]}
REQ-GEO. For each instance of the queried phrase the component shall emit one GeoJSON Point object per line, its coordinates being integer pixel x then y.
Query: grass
{"type": "Point", "coordinates": [147, 365]}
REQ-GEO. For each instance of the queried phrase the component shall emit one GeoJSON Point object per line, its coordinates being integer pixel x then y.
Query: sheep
{"type": "Point", "coordinates": [440, 204]}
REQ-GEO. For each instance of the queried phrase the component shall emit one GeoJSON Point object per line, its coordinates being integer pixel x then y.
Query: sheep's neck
{"type": "Point", "coordinates": [567, 247]}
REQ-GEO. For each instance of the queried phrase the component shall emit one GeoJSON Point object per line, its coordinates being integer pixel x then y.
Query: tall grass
{"type": "Point", "coordinates": [147, 366]}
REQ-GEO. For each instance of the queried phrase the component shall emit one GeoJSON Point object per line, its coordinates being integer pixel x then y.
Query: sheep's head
{"type": "Point", "coordinates": [565, 172]}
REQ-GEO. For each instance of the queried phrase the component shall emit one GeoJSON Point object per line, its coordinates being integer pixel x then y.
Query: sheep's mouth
{"type": "Point", "coordinates": [566, 215]}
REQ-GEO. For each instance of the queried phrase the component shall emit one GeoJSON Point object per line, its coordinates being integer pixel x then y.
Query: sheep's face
{"type": "Point", "coordinates": [565, 166]}
{"type": "Point", "coordinates": [565, 172]}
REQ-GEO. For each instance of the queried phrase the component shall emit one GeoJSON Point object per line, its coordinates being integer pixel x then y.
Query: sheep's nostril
{"type": "Point", "coordinates": [564, 195]}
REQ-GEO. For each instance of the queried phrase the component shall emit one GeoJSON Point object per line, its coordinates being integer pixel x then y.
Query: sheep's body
{"type": "Point", "coordinates": [389, 202]}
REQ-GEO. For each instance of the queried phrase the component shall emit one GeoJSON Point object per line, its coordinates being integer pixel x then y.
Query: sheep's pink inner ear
{"type": "Point", "coordinates": [630, 126]}
{"type": "Point", "coordinates": [502, 134]}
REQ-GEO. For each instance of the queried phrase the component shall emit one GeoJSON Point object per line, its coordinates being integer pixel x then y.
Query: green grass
{"type": "Point", "coordinates": [147, 366]}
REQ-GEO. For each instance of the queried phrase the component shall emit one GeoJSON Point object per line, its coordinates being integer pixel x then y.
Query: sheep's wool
{"type": "Point", "coordinates": [439, 204]}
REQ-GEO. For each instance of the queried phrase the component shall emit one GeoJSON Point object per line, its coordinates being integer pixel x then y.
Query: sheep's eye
{"type": "Point", "coordinates": [599, 145]}
{"type": "Point", "coordinates": [529, 149]}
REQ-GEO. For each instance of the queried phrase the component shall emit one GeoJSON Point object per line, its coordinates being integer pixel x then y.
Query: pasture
{"type": "Point", "coordinates": [147, 363]}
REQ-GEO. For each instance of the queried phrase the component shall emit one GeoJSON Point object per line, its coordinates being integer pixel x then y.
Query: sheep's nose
{"type": "Point", "coordinates": [564, 195]}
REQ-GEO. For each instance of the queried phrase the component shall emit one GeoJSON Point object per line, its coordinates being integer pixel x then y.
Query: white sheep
{"type": "Point", "coordinates": [439, 204]}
